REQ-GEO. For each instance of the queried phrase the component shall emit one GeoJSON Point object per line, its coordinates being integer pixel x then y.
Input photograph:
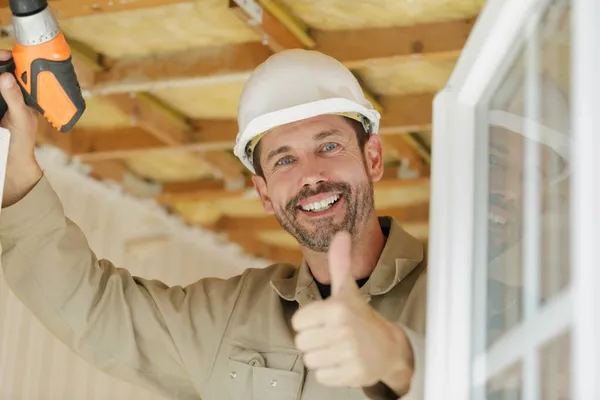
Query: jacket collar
{"type": "Point", "coordinates": [401, 254]}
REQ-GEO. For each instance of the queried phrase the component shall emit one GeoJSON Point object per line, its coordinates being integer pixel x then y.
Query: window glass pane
{"type": "Point", "coordinates": [505, 207]}
{"type": "Point", "coordinates": [555, 369]}
{"type": "Point", "coordinates": [528, 178]}
{"type": "Point", "coordinates": [555, 49]}
{"type": "Point", "coordinates": [505, 386]}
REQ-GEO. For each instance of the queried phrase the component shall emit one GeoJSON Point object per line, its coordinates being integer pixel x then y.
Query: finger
{"type": "Point", "coordinates": [340, 375]}
{"type": "Point", "coordinates": [11, 92]}
{"type": "Point", "coordinates": [319, 338]}
{"type": "Point", "coordinates": [340, 264]}
{"type": "Point", "coordinates": [329, 357]}
{"type": "Point", "coordinates": [5, 55]}
{"type": "Point", "coordinates": [312, 316]}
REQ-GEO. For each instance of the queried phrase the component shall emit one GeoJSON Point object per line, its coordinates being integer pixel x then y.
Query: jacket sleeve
{"type": "Point", "coordinates": [414, 324]}
{"type": "Point", "coordinates": [128, 327]}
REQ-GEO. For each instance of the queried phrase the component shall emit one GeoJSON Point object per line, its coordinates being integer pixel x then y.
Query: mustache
{"type": "Point", "coordinates": [324, 187]}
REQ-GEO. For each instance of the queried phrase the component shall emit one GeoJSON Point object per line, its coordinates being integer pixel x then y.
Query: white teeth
{"type": "Point", "coordinates": [497, 218]}
{"type": "Point", "coordinates": [321, 205]}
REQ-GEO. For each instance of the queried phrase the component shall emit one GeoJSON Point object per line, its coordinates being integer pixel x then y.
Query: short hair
{"type": "Point", "coordinates": [361, 136]}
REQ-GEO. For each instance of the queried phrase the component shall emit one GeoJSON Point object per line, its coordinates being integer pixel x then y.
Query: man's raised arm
{"type": "Point", "coordinates": [131, 328]}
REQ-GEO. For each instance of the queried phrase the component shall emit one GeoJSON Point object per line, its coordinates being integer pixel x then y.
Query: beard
{"type": "Point", "coordinates": [359, 203]}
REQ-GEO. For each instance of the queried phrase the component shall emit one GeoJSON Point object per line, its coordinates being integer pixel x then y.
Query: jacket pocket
{"type": "Point", "coordinates": [270, 383]}
{"type": "Point", "coordinates": [251, 379]}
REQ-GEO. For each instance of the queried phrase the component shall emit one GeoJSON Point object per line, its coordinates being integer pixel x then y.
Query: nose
{"type": "Point", "coordinates": [313, 173]}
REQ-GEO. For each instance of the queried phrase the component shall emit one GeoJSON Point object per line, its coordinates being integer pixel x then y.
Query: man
{"type": "Point", "coordinates": [347, 324]}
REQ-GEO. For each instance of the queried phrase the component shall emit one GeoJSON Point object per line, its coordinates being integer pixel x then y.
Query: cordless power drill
{"type": "Point", "coordinates": [42, 65]}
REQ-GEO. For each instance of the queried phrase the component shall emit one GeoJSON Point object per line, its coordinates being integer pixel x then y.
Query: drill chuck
{"type": "Point", "coordinates": [37, 28]}
{"type": "Point", "coordinates": [24, 8]}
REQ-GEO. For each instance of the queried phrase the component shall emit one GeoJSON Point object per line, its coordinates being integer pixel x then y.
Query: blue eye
{"type": "Point", "coordinates": [329, 146]}
{"type": "Point", "coordinates": [282, 161]}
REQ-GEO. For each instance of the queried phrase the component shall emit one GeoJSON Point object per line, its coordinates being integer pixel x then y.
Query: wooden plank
{"type": "Point", "coordinates": [275, 33]}
{"type": "Point", "coordinates": [113, 170]}
{"type": "Point", "coordinates": [361, 47]}
{"type": "Point", "coordinates": [226, 166]}
{"type": "Point", "coordinates": [413, 213]}
{"type": "Point", "coordinates": [402, 114]}
{"type": "Point", "coordinates": [251, 244]}
{"type": "Point", "coordinates": [64, 9]}
{"type": "Point", "coordinates": [172, 128]}
{"type": "Point", "coordinates": [356, 48]}
{"type": "Point", "coordinates": [156, 118]}
{"type": "Point", "coordinates": [210, 64]}
{"type": "Point", "coordinates": [202, 195]}
{"type": "Point", "coordinates": [200, 185]}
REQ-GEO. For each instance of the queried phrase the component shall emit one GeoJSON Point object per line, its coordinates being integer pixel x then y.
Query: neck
{"type": "Point", "coordinates": [366, 250]}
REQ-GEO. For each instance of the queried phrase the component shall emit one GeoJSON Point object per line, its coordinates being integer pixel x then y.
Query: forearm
{"type": "Point", "coordinates": [16, 186]}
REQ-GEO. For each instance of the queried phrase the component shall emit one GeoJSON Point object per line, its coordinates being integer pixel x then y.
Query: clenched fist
{"type": "Point", "coordinates": [345, 341]}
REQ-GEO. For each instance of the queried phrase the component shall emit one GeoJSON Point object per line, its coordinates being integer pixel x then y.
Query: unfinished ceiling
{"type": "Point", "coordinates": [162, 80]}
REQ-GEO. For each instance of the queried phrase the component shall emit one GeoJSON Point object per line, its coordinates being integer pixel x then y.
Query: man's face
{"type": "Point", "coordinates": [507, 174]}
{"type": "Point", "coordinates": [317, 179]}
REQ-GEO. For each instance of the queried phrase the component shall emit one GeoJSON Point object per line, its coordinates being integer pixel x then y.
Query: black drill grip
{"type": "Point", "coordinates": [9, 66]}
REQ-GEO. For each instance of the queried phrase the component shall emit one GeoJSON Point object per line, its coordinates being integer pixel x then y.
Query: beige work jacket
{"type": "Point", "coordinates": [214, 339]}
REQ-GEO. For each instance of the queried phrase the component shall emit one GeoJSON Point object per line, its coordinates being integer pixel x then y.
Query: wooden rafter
{"type": "Point", "coordinates": [278, 28]}
{"type": "Point", "coordinates": [402, 114]}
{"type": "Point", "coordinates": [154, 117]}
{"type": "Point", "coordinates": [64, 9]}
{"type": "Point", "coordinates": [356, 48]}
{"type": "Point", "coordinates": [167, 126]}
{"type": "Point", "coordinates": [202, 193]}
{"type": "Point", "coordinates": [369, 47]}
{"type": "Point", "coordinates": [408, 214]}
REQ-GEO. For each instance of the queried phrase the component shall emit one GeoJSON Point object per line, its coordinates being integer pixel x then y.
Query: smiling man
{"type": "Point", "coordinates": [348, 323]}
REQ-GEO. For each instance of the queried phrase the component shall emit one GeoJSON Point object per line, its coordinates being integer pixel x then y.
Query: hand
{"type": "Point", "coordinates": [22, 169]}
{"type": "Point", "coordinates": [345, 340]}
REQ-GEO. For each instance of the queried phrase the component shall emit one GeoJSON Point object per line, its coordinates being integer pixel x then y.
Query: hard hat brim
{"type": "Point", "coordinates": [300, 112]}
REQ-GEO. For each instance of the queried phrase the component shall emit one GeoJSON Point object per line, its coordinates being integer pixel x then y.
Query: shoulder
{"type": "Point", "coordinates": [257, 277]}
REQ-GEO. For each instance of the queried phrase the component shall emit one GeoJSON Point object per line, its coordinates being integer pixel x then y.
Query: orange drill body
{"type": "Point", "coordinates": [43, 65]}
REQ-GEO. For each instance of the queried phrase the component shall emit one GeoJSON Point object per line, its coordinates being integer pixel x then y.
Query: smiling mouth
{"type": "Point", "coordinates": [322, 205]}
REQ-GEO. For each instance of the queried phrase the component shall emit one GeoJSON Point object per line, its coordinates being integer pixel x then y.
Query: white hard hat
{"type": "Point", "coordinates": [553, 126]}
{"type": "Point", "coordinates": [293, 85]}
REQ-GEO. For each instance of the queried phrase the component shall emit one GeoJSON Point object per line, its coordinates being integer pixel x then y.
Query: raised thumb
{"type": "Point", "coordinates": [340, 267]}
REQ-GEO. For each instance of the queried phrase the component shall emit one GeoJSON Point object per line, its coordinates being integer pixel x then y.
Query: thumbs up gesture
{"type": "Point", "coordinates": [344, 340]}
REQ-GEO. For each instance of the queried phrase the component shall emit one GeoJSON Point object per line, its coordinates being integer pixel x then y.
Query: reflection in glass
{"type": "Point", "coordinates": [555, 369]}
{"type": "Point", "coordinates": [506, 386]}
{"type": "Point", "coordinates": [528, 177]}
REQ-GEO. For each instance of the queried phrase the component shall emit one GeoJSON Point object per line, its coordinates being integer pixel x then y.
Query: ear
{"type": "Point", "coordinates": [374, 157]}
{"type": "Point", "coordinates": [261, 188]}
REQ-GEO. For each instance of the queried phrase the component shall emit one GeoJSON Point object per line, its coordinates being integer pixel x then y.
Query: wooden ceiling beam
{"type": "Point", "coordinates": [278, 28]}
{"type": "Point", "coordinates": [408, 214]}
{"type": "Point", "coordinates": [251, 244]}
{"type": "Point", "coordinates": [156, 118]}
{"type": "Point", "coordinates": [65, 9]}
{"type": "Point", "coordinates": [208, 195]}
{"type": "Point", "coordinates": [401, 115]}
{"type": "Point", "coordinates": [168, 127]}
{"type": "Point", "coordinates": [203, 66]}
{"type": "Point", "coordinates": [354, 48]}
{"type": "Point", "coordinates": [404, 114]}
{"type": "Point", "coordinates": [369, 47]}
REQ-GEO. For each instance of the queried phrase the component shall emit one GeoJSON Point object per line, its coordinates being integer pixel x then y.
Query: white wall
{"type": "Point", "coordinates": [132, 234]}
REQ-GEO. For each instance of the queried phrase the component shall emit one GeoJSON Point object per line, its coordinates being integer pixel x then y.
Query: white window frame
{"type": "Point", "coordinates": [450, 372]}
